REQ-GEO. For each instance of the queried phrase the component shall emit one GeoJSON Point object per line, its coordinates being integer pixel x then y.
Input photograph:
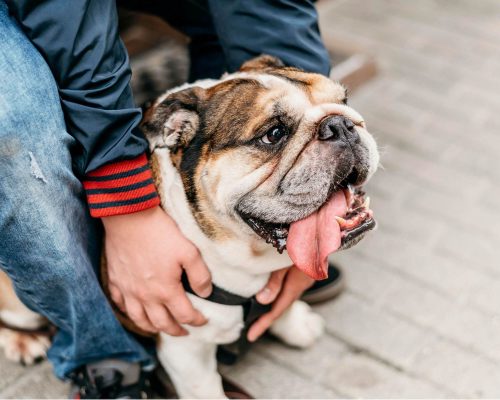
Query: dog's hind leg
{"type": "Point", "coordinates": [22, 347]}
{"type": "Point", "coordinates": [192, 366]}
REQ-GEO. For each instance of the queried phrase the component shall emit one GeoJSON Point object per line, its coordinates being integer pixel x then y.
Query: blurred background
{"type": "Point", "coordinates": [421, 314]}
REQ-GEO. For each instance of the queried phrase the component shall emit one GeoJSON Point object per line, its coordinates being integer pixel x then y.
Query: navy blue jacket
{"type": "Point", "coordinates": [80, 42]}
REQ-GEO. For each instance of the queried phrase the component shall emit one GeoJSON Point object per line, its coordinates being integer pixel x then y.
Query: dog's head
{"type": "Point", "coordinates": [270, 153]}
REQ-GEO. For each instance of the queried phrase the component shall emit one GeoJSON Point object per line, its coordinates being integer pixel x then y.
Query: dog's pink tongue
{"type": "Point", "coordinates": [312, 239]}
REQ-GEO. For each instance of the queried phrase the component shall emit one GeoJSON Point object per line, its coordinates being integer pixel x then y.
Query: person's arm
{"type": "Point", "coordinates": [145, 250]}
{"type": "Point", "coordinates": [287, 29]}
{"type": "Point", "coordinates": [79, 41]}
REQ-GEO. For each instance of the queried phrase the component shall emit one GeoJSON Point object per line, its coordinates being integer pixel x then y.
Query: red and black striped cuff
{"type": "Point", "coordinates": [122, 187]}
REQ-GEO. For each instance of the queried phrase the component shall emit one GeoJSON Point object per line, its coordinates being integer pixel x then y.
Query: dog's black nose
{"type": "Point", "coordinates": [338, 127]}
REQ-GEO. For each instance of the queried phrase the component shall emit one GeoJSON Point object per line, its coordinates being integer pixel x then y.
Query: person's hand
{"type": "Point", "coordinates": [146, 254]}
{"type": "Point", "coordinates": [285, 286]}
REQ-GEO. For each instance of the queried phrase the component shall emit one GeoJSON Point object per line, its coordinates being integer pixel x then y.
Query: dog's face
{"type": "Point", "coordinates": [268, 154]}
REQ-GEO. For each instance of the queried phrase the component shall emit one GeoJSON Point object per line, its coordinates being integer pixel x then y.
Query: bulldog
{"type": "Point", "coordinates": [261, 169]}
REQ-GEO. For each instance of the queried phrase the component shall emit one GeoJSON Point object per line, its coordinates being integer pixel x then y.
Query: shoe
{"type": "Point", "coordinates": [326, 289]}
{"type": "Point", "coordinates": [110, 379]}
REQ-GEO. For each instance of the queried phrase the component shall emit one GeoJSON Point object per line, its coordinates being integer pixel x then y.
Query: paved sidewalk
{"type": "Point", "coordinates": [421, 315]}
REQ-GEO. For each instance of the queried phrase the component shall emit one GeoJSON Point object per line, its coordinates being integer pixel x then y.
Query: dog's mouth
{"type": "Point", "coordinates": [338, 224]}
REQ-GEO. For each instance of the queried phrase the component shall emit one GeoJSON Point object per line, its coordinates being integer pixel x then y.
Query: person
{"type": "Point", "coordinates": [73, 166]}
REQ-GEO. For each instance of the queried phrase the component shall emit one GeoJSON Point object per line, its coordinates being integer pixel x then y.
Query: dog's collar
{"type": "Point", "coordinates": [252, 310]}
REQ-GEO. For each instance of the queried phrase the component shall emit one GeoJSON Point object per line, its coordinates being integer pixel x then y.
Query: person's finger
{"type": "Point", "coordinates": [181, 308]}
{"type": "Point", "coordinates": [117, 297]}
{"type": "Point", "coordinates": [273, 287]}
{"type": "Point", "coordinates": [136, 312]}
{"type": "Point", "coordinates": [260, 326]}
{"type": "Point", "coordinates": [198, 274]}
{"type": "Point", "coordinates": [264, 322]}
{"type": "Point", "coordinates": [163, 321]}
{"type": "Point", "coordinates": [287, 296]}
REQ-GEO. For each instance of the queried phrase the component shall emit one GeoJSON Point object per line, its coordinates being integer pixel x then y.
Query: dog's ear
{"type": "Point", "coordinates": [262, 62]}
{"type": "Point", "coordinates": [173, 122]}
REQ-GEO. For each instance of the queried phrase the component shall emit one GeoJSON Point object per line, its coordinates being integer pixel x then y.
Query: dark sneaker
{"type": "Point", "coordinates": [326, 289]}
{"type": "Point", "coordinates": [110, 379]}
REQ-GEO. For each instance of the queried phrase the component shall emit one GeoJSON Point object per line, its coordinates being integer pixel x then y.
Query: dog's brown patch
{"type": "Point", "coordinates": [9, 300]}
{"type": "Point", "coordinates": [7, 295]}
{"type": "Point", "coordinates": [318, 88]}
{"type": "Point", "coordinates": [155, 170]}
{"type": "Point", "coordinates": [176, 158]}
{"type": "Point", "coordinates": [262, 63]}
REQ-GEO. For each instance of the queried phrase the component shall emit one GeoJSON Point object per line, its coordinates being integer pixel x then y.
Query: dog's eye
{"type": "Point", "coordinates": [274, 135]}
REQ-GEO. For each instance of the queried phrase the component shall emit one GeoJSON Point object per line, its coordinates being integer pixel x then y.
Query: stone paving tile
{"type": "Point", "coordinates": [36, 381]}
{"type": "Point", "coordinates": [463, 372]}
{"type": "Point", "coordinates": [417, 351]}
{"type": "Point", "coordinates": [421, 315]}
{"type": "Point", "coordinates": [464, 324]}
{"type": "Point", "coordinates": [374, 330]}
{"type": "Point", "coordinates": [9, 372]}
{"type": "Point", "coordinates": [348, 371]}
{"type": "Point", "coordinates": [266, 378]}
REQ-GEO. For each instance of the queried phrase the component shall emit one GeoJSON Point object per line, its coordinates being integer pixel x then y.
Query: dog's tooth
{"type": "Point", "coordinates": [366, 204]}
{"type": "Point", "coordinates": [342, 222]}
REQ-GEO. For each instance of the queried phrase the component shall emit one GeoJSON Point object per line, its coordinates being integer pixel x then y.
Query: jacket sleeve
{"type": "Point", "coordinates": [79, 40]}
{"type": "Point", "coordinates": [287, 29]}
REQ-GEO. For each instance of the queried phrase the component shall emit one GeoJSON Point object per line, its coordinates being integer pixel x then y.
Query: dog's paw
{"type": "Point", "coordinates": [21, 347]}
{"type": "Point", "coordinates": [299, 326]}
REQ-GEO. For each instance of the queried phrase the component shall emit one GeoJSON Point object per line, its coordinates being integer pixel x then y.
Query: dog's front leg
{"type": "Point", "coordinates": [192, 366]}
{"type": "Point", "coordinates": [299, 326]}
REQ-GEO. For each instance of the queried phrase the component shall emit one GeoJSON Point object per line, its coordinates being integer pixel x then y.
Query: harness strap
{"type": "Point", "coordinates": [218, 295]}
{"type": "Point", "coordinates": [252, 310]}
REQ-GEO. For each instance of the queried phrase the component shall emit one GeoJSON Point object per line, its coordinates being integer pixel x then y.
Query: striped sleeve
{"type": "Point", "coordinates": [122, 187]}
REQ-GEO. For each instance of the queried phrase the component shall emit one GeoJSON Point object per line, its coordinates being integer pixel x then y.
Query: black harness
{"type": "Point", "coordinates": [252, 310]}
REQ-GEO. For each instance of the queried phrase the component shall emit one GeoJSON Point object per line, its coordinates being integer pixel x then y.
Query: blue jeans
{"type": "Point", "coordinates": [49, 245]}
